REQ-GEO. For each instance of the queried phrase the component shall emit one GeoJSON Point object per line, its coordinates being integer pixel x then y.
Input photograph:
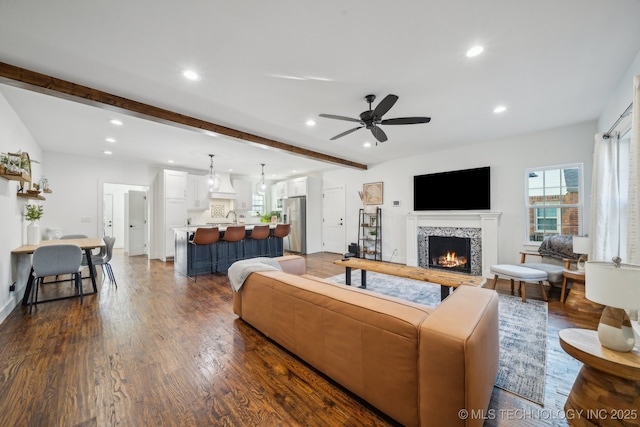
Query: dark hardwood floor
{"type": "Point", "coordinates": [161, 349]}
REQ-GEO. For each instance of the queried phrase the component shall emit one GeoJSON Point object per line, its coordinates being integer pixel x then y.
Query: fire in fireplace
{"type": "Point", "coordinates": [451, 260]}
{"type": "Point", "coordinates": [450, 253]}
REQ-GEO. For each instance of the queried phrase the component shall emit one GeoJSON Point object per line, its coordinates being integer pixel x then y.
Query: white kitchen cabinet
{"type": "Point", "coordinates": [175, 184]}
{"type": "Point", "coordinates": [281, 190]}
{"type": "Point", "coordinates": [170, 202]}
{"type": "Point", "coordinates": [197, 193]}
{"type": "Point", "coordinates": [297, 187]}
{"type": "Point", "coordinates": [244, 195]}
{"type": "Point", "coordinates": [175, 216]}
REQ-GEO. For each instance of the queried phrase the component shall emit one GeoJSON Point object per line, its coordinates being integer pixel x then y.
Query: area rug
{"type": "Point", "coordinates": [523, 331]}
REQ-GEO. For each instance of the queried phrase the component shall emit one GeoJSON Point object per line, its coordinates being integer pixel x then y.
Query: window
{"type": "Point", "coordinates": [554, 201]}
{"type": "Point", "coordinates": [257, 203]}
{"type": "Point", "coordinates": [547, 220]}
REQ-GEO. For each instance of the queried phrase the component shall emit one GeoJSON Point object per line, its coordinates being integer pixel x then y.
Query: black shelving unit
{"type": "Point", "coordinates": [370, 234]}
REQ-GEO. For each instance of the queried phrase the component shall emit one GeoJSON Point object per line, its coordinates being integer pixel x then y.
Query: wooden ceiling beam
{"type": "Point", "coordinates": [27, 79]}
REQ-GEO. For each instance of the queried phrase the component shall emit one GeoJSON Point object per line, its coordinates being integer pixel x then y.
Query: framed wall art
{"type": "Point", "coordinates": [373, 193]}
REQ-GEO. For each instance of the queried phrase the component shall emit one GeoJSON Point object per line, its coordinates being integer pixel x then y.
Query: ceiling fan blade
{"type": "Point", "coordinates": [379, 134]}
{"type": "Point", "coordinates": [406, 121]}
{"type": "Point", "coordinates": [346, 133]}
{"type": "Point", "coordinates": [384, 105]}
{"type": "Point", "coordinates": [331, 116]}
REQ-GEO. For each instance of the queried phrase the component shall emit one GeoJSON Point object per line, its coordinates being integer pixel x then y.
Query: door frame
{"type": "Point", "coordinates": [124, 186]}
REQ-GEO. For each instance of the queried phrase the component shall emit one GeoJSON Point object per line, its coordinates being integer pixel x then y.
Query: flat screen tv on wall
{"type": "Point", "coordinates": [467, 189]}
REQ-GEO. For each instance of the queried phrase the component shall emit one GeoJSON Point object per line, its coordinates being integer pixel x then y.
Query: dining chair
{"type": "Point", "coordinates": [55, 260]}
{"type": "Point", "coordinates": [74, 236]}
{"type": "Point", "coordinates": [204, 236]}
{"type": "Point", "coordinates": [103, 259]}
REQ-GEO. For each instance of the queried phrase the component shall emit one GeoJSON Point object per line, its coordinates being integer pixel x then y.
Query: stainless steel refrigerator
{"type": "Point", "coordinates": [295, 213]}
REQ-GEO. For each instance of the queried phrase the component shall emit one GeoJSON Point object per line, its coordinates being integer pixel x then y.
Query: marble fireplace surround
{"type": "Point", "coordinates": [487, 222]}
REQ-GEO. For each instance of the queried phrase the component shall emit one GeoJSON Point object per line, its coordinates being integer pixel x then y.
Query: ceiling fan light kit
{"type": "Point", "coordinates": [372, 119]}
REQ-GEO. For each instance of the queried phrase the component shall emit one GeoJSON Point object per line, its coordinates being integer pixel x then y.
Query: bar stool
{"type": "Point", "coordinates": [203, 236]}
{"type": "Point", "coordinates": [282, 231]}
{"type": "Point", "coordinates": [258, 233]}
{"type": "Point", "coordinates": [234, 234]}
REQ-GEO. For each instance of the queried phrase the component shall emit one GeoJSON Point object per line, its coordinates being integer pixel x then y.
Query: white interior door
{"type": "Point", "coordinates": [137, 222]}
{"type": "Point", "coordinates": [333, 220]}
{"type": "Point", "coordinates": [107, 212]}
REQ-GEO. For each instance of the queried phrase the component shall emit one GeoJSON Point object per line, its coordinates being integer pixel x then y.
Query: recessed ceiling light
{"type": "Point", "coordinates": [115, 122]}
{"type": "Point", "coordinates": [311, 122]}
{"type": "Point", "coordinates": [107, 152]}
{"type": "Point", "coordinates": [293, 171]}
{"type": "Point", "coordinates": [500, 109]}
{"type": "Point", "coordinates": [367, 144]}
{"type": "Point", "coordinates": [170, 161]}
{"type": "Point", "coordinates": [111, 140]}
{"type": "Point", "coordinates": [191, 75]}
{"type": "Point", "coordinates": [320, 79]}
{"type": "Point", "coordinates": [474, 51]}
{"type": "Point", "coordinates": [284, 76]}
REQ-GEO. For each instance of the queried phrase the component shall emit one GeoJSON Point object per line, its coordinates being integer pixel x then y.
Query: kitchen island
{"type": "Point", "coordinates": [192, 260]}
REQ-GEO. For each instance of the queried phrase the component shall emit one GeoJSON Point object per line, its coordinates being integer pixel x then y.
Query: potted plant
{"type": "Point", "coordinates": [4, 161]}
{"type": "Point", "coordinates": [34, 213]}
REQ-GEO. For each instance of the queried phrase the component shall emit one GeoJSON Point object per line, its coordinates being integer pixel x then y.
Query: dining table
{"type": "Point", "coordinates": [87, 244]}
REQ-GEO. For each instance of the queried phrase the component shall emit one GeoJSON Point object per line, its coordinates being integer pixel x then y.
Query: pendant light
{"type": "Point", "coordinates": [261, 186]}
{"type": "Point", "coordinates": [213, 181]}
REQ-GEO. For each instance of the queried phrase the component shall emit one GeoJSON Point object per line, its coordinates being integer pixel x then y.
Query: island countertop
{"type": "Point", "coordinates": [221, 227]}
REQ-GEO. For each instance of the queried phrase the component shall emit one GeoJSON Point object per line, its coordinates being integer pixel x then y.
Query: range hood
{"type": "Point", "coordinates": [226, 190]}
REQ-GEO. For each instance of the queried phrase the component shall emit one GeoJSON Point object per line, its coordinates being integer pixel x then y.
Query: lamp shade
{"type": "Point", "coordinates": [581, 245]}
{"type": "Point", "coordinates": [614, 286]}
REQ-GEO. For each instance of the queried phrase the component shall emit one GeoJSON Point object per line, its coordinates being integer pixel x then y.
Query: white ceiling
{"type": "Point", "coordinates": [550, 62]}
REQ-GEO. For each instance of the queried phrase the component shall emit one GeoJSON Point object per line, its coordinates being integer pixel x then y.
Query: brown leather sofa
{"type": "Point", "coordinates": [420, 365]}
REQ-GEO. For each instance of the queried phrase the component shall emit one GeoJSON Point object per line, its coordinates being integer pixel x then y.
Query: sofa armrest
{"type": "Point", "coordinates": [292, 264]}
{"type": "Point", "coordinates": [459, 353]}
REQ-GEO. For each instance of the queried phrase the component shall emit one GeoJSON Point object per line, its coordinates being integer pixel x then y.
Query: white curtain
{"type": "Point", "coordinates": [605, 214]}
{"type": "Point", "coordinates": [633, 222]}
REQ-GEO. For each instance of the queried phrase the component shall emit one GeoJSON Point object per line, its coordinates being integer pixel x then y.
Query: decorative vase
{"type": "Point", "coordinates": [33, 233]}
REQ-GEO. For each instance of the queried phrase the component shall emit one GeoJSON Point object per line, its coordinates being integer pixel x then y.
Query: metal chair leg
{"type": "Point", "coordinates": [78, 278]}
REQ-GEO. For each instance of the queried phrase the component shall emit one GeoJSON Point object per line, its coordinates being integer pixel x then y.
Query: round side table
{"type": "Point", "coordinates": [575, 276]}
{"type": "Point", "coordinates": [607, 389]}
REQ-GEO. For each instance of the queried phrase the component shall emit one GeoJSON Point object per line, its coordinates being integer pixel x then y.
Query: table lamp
{"type": "Point", "coordinates": [581, 246]}
{"type": "Point", "coordinates": [617, 286]}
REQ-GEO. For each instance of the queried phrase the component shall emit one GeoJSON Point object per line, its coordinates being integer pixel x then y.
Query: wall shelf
{"type": "Point", "coordinates": [23, 177]}
{"type": "Point", "coordinates": [29, 196]}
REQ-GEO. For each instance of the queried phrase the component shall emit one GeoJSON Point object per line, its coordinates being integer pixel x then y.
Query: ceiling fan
{"type": "Point", "coordinates": [371, 119]}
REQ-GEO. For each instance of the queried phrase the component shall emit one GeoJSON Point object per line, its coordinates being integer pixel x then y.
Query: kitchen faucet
{"type": "Point", "coordinates": [235, 216]}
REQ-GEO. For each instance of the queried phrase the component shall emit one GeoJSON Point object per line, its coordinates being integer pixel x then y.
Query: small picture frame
{"type": "Point", "coordinates": [373, 193]}
{"type": "Point", "coordinates": [373, 221]}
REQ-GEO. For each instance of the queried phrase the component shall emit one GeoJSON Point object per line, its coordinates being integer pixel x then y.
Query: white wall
{"type": "Point", "coordinates": [508, 159]}
{"type": "Point", "coordinates": [75, 205]}
{"type": "Point", "coordinates": [620, 98]}
{"type": "Point", "coordinates": [14, 136]}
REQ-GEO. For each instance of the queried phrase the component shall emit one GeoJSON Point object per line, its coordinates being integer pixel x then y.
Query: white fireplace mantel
{"type": "Point", "coordinates": [488, 222]}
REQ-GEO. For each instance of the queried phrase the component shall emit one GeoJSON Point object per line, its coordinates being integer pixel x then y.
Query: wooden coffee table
{"type": "Point", "coordinates": [607, 389]}
{"type": "Point", "coordinates": [447, 280]}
